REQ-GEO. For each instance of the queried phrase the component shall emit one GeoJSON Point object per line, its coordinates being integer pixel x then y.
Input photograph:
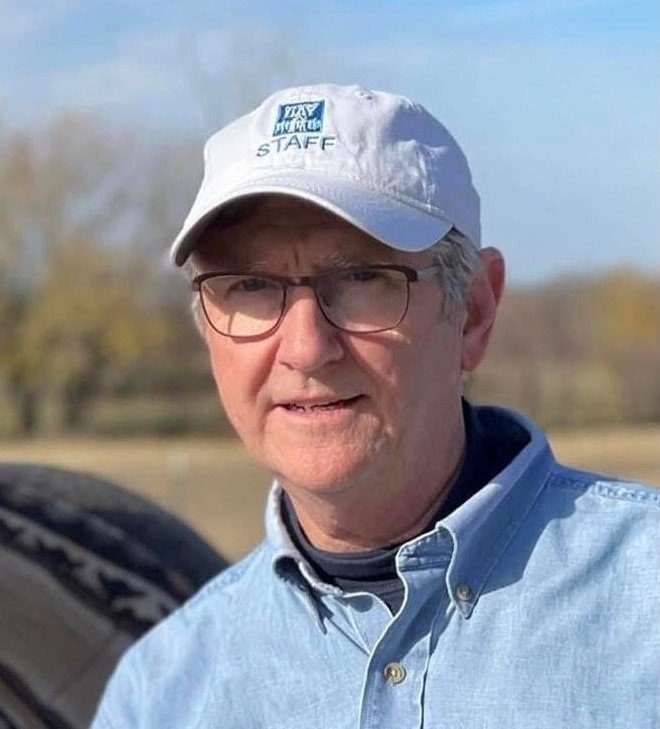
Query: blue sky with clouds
{"type": "Point", "coordinates": [555, 102]}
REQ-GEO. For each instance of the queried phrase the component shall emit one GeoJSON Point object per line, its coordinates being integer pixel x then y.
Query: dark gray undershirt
{"type": "Point", "coordinates": [491, 443]}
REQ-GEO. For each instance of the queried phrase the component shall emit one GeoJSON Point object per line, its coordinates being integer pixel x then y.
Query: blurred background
{"type": "Point", "coordinates": [104, 107]}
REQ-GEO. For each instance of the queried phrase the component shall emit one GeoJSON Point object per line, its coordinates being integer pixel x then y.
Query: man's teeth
{"type": "Point", "coordinates": [305, 407]}
{"type": "Point", "coordinates": [324, 406]}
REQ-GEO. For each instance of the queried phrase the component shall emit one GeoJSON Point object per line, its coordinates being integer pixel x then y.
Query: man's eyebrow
{"type": "Point", "coordinates": [350, 259]}
{"type": "Point", "coordinates": [232, 263]}
{"type": "Point", "coordinates": [332, 259]}
{"type": "Point", "coordinates": [344, 260]}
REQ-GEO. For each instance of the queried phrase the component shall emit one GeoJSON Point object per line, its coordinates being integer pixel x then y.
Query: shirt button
{"type": "Point", "coordinates": [463, 592]}
{"type": "Point", "coordinates": [394, 673]}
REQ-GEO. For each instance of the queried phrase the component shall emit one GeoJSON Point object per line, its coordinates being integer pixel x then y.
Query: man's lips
{"type": "Point", "coordinates": [317, 404]}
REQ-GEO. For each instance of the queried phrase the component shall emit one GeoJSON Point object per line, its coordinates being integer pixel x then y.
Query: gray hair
{"type": "Point", "coordinates": [457, 256]}
{"type": "Point", "coordinates": [459, 261]}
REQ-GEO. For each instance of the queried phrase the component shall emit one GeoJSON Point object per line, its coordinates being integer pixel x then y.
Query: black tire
{"type": "Point", "coordinates": [86, 568]}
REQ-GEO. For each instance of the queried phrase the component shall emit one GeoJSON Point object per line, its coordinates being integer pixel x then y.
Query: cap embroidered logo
{"type": "Point", "coordinates": [298, 126]}
{"type": "Point", "coordinates": [304, 117]}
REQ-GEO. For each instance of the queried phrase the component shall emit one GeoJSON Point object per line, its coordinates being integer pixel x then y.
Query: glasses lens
{"type": "Point", "coordinates": [242, 306]}
{"type": "Point", "coordinates": [365, 300]}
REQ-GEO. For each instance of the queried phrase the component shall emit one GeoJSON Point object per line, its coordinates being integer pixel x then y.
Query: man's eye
{"type": "Point", "coordinates": [363, 276]}
{"type": "Point", "coordinates": [252, 285]}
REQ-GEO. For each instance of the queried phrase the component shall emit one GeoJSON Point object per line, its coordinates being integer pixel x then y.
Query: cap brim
{"type": "Point", "coordinates": [385, 218]}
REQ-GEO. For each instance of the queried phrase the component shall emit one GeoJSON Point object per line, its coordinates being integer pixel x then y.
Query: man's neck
{"type": "Point", "coordinates": [380, 513]}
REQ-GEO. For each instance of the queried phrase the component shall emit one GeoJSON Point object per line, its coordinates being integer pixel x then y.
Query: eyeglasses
{"type": "Point", "coordinates": [367, 299]}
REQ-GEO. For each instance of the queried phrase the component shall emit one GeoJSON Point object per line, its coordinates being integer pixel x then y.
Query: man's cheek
{"type": "Point", "coordinates": [229, 391]}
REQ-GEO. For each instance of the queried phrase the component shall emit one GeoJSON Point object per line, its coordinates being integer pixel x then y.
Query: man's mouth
{"type": "Point", "coordinates": [309, 407]}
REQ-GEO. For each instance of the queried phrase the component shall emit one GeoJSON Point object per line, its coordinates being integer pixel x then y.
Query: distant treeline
{"type": "Point", "coordinates": [578, 351]}
{"type": "Point", "coordinates": [95, 331]}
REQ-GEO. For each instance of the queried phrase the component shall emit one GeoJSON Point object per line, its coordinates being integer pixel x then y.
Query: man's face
{"type": "Point", "coordinates": [375, 405]}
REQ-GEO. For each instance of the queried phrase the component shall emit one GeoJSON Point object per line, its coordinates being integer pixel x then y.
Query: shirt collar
{"type": "Point", "coordinates": [480, 529]}
{"type": "Point", "coordinates": [287, 561]}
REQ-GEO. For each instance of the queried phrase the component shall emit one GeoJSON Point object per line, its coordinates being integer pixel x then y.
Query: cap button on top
{"type": "Point", "coordinates": [463, 592]}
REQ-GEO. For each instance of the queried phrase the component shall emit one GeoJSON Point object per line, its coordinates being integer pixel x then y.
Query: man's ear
{"type": "Point", "coordinates": [481, 307]}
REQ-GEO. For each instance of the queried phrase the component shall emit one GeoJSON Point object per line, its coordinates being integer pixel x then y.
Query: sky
{"type": "Point", "coordinates": [555, 102]}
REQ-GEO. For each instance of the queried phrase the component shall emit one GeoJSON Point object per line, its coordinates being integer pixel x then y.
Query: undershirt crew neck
{"type": "Point", "coordinates": [489, 449]}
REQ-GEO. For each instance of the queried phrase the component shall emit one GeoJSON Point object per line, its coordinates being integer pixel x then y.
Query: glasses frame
{"type": "Point", "coordinates": [413, 275]}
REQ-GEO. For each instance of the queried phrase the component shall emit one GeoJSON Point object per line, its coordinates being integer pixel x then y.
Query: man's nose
{"type": "Point", "coordinates": [307, 340]}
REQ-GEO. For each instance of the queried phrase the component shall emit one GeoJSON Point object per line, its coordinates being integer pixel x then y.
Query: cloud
{"type": "Point", "coordinates": [21, 20]}
{"type": "Point", "coordinates": [190, 77]}
{"type": "Point", "coordinates": [186, 77]}
{"type": "Point", "coordinates": [126, 88]}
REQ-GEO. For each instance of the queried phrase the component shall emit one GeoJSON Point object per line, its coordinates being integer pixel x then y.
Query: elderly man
{"type": "Point", "coordinates": [427, 562]}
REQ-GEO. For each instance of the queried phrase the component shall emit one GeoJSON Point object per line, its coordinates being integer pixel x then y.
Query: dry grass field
{"type": "Point", "coordinates": [212, 485]}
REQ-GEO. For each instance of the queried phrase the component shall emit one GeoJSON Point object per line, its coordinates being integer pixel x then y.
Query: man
{"type": "Point", "coordinates": [427, 562]}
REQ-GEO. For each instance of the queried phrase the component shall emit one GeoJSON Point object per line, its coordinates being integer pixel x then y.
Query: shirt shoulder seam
{"type": "Point", "coordinates": [608, 488]}
{"type": "Point", "coordinates": [226, 578]}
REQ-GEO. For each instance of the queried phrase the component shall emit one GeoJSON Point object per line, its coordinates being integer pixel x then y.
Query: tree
{"type": "Point", "coordinates": [65, 308]}
{"type": "Point", "coordinates": [88, 322]}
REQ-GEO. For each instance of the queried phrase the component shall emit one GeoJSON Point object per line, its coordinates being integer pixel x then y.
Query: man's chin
{"type": "Point", "coordinates": [323, 477]}
{"type": "Point", "coordinates": [321, 484]}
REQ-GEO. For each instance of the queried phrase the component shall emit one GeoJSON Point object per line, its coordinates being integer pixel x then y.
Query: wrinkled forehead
{"type": "Point", "coordinates": [280, 209]}
{"type": "Point", "coordinates": [265, 227]}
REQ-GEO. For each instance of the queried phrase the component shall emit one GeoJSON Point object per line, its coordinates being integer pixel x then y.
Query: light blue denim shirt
{"type": "Point", "coordinates": [533, 605]}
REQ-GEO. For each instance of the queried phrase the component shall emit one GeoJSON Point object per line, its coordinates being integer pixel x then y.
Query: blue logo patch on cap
{"type": "Point", "coordinates": [303, 117]}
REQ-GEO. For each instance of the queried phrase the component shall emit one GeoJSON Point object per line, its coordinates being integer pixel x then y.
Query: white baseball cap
{"type": "Point", "coordinates": [379, 161]}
